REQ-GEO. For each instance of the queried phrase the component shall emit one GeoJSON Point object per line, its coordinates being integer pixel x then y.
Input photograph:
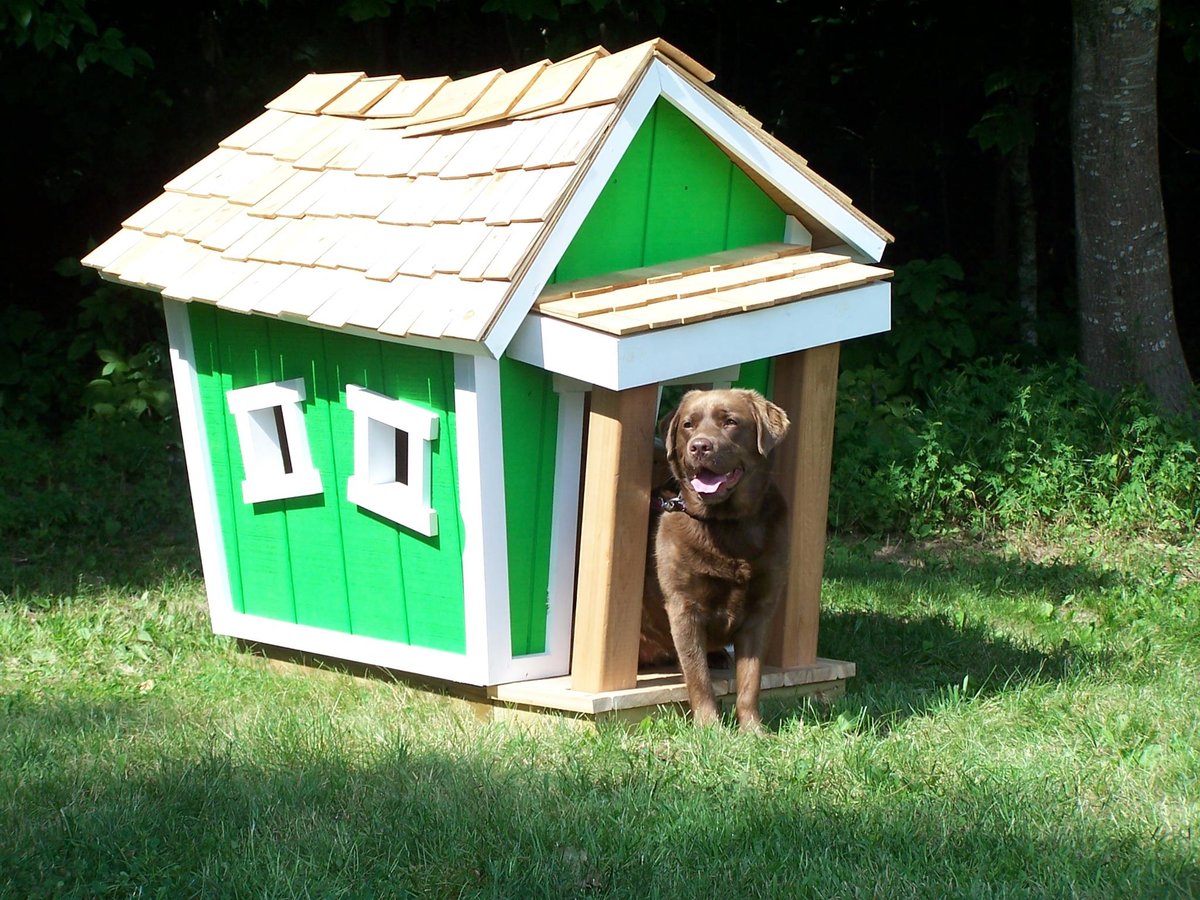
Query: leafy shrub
{"type": "Point", "coordinates": [1000, 446]}
{"type": "Point", "coordinates": [103, 478]}
{"type": "Point", "coordinates": [131, 386]}
{"type": "Point", "coordinates": [47, 367]}
{"type": "Point", "coordinates": [937, 324]}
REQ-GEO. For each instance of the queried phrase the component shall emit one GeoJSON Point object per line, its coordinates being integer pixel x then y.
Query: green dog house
{"type": "Point", "coordinates": [418, 330]}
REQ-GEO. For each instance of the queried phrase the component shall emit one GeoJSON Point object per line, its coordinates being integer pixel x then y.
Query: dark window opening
{"type": "Point", "coordinates": [284, 450]}
{"type": "Point", "coordinates": [401, 456]}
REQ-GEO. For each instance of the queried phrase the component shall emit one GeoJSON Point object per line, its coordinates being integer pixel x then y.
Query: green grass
{"type": "Point", "coordinates": [1025, 723]}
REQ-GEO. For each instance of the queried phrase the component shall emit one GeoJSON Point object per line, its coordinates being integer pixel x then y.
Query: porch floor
{"type": "Point", "coordinates": [825, 680]}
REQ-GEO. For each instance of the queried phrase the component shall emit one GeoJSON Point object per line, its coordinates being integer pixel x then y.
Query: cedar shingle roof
{"type": "Point", "coordinates": [408, 209]}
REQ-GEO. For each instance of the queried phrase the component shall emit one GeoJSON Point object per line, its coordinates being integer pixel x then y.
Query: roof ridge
{"type": "Point", "coordinates": [441, 103]}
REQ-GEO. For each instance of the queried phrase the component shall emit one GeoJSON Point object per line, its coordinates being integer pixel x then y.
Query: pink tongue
{"type": "Point", "coordinates": [708, 482]}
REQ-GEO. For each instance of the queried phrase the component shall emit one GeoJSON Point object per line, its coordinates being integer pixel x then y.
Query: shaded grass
{"type": "Point", "coordinates": [1026, 722]}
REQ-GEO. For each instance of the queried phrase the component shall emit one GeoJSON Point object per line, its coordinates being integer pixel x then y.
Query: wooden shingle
{"type": "Point", "coordinates": [406, 98]}
{"type": "Point", "coordinates": [554, 85]}
{"type": "Point", "coordinates": [313, 92]}
{"type": "Point", "coordinates": [360, 97]}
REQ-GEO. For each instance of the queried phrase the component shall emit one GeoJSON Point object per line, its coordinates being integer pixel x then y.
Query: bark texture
{"type": "Point", "coordinates": [1126, 313]}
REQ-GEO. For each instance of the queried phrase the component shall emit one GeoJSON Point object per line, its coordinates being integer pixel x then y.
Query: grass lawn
{"type": "Point", "coordinates": [1026, 722]}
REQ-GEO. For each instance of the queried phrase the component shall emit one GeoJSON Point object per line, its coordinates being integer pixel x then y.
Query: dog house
{"type": "Point", "coordinates": [418, 331]}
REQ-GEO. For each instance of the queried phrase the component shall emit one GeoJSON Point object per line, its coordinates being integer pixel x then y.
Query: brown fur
{"type": "Point", "coordinates": [719, 566]}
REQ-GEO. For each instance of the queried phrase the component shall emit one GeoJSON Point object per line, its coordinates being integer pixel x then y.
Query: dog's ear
{"type": "Point", "coordinates": [668, 432]}
{"type": "Point", "coordinates": [771, 421]}
{"type": "Point", "coordinates": [670, 425]}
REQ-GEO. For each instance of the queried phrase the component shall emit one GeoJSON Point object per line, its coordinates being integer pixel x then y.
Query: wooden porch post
{"type": "Point", "coordinates": [612, 546]}
{"type": "Point", "coordinates": [806, 387]}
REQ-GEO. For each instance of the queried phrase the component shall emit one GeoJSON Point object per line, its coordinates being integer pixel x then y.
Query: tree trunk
{"type": "Point", "coordinates": [1027, 257]}
{"type": "Point", "coordinates": [1126, 313]}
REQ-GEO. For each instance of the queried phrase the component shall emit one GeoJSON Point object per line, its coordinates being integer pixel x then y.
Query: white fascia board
{"type": "Point", "coordinates": [213, 561]}
{"type": "Point", "coordinates": [354, 648]}
{"type": "Point", "coordinates": [481, 505]}
{"type": "Point", "coordinates": [758, 157]}
{"type": "Point", "coordinates": [651, 357]}
{"type": "Point", "coordinates": [640, 102]}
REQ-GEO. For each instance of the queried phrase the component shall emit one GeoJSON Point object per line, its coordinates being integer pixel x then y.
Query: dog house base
{"type": "Point", "coordinates": [549, 700]}
{"type": "Point", "coordinates": [825, 680]}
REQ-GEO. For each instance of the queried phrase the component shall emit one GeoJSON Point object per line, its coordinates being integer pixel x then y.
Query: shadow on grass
{"type": "Point", "coordinates": [919, 623]}
{"type": "Point", "coordinates": [88, 564]}
{"type": "Point", "coordinates": [303, 816]}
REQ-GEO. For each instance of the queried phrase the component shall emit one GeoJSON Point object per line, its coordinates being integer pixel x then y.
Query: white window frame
{"type": "Point", "coordinates": [262, 445]}
{"type": "Point", "coordinates": [373, 486]}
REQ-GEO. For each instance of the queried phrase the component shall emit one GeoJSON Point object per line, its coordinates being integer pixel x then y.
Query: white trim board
{"type": "Point", "coordinates": [650, 357]}
{"type": "Point", "coordinates": [356, 648]}
{"type": "Point", "coordinates": [196, 455]}
{"type": "Point", "coordinates": [481, 505]}
{"type": "Point", "coordinates": [600, 170]}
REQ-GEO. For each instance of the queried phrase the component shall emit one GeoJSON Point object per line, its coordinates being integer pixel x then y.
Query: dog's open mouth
{"type": "Point", "coordinates": [710, 484]}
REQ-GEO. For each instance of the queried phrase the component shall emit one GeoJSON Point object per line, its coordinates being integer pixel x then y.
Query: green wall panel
{"type": "Point", "coordinates": [313, 524]}
{"type": "Point", "coordinates": [244, 357]}
{"type": "Point", "coordinates": [321, 560]}
{"type": "Point", "coordinates": [688, 205]}
{"type": "Point", "coordinates": [370, 546]}
{"type": "Point", "coordinates": [673, 195]}
{"type": "Point", "coordinates": [432, 566]}
{"type": "Point", "coordinates": [613, 234]}
{"type": "Point", "coordinates": [753, 216]}
{"type": "Point", "coordinates": [529, 412]}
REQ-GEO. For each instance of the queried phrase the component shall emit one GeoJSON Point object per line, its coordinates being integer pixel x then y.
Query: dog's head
{"type": "Point", "coordinates": [718, 442]}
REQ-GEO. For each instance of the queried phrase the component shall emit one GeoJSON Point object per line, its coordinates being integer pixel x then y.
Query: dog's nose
{"type": "Point", "coordinates": [700, 446]}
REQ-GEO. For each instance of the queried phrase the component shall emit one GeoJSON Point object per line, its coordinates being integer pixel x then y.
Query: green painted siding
{"type": "Point", "coordinates": [674, 194]}
{"type": "Point", "coordinates": [320, 560]}
{"type": "Point", "coordinates": [529, 421]}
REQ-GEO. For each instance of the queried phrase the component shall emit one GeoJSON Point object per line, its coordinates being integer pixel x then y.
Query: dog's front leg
{"type": "Point", "coordinates": [688, 633]}
{"type": "Point", "coordinates": [748, 650]}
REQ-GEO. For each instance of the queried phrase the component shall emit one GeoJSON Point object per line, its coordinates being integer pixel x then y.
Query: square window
{"type": "Point", "coordinates": [393, 448]}
{"type": "Point", "coordinates": [273, 440]}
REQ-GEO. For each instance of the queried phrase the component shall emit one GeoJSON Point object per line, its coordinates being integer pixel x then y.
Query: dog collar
{"type": "Point", "coordinates": [674, 504]}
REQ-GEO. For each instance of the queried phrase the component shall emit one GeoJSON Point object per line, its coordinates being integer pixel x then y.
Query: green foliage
{"type": "Point", "coordinates": [51, 26]}
{"type": "Point", "coordinates": [45, 370]}
{"type": "Point", "coordinates": [102, 478]}
{"type": "Point", "coordinates": [1009, 122]}
{"type": "Point", "coordinates": [998, 446]}
{"type": "Point", "coordinates": [45, 24]}
{"type": "Point", "coordinates": [553, 10]}
{"type": "Point", "coordinates": [936, 325]}
{"type": "Point", "coordinates": [366, 10]}
{"type": "Point", "coordinates": [131, 386]}
{"type": "Point", "coordinates": [33, 367]}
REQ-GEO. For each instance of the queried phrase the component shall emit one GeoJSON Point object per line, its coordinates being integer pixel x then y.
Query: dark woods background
{"type": "Point", "coordinates": [946, 122]}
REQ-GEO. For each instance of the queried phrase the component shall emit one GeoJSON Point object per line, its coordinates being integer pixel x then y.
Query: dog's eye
{"type": "Point", "coordinates": [731, 422]}
{"type": "Point", "coordinates": [687, 425]}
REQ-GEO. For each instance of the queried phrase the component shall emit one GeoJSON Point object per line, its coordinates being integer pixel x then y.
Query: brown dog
{"type": "Point", "coordinates": [720, 561]}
